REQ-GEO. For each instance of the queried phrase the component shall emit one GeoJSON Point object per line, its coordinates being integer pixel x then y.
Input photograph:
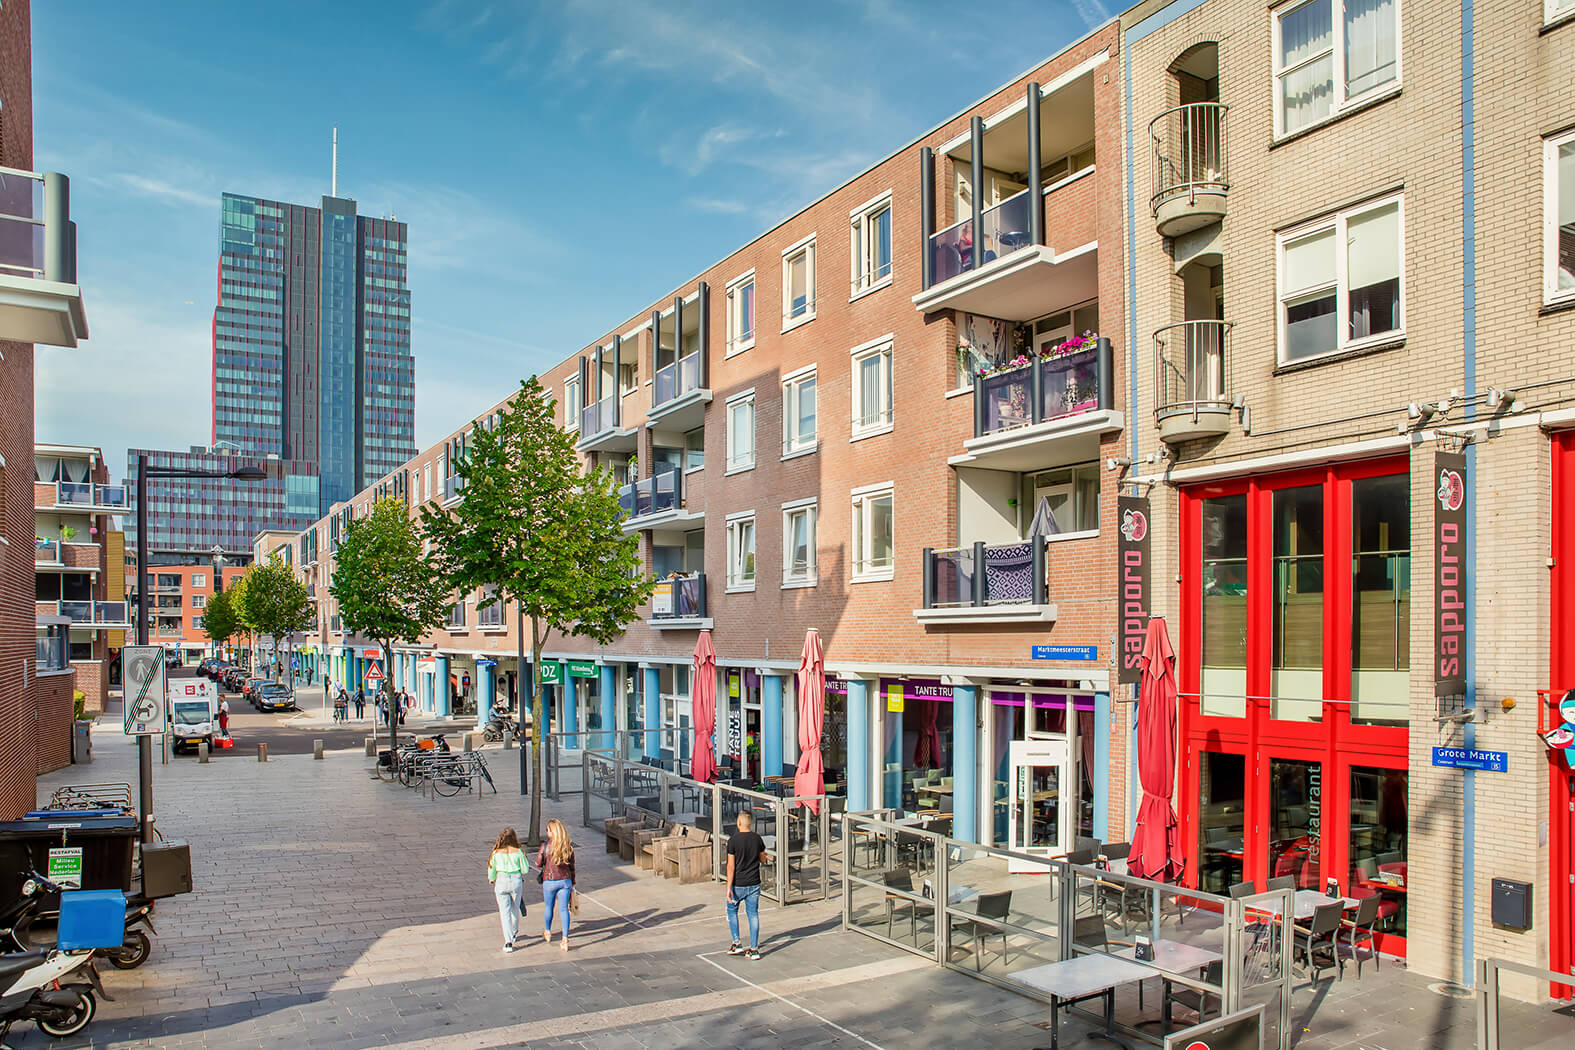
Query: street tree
{"type": "Point", "coordinates": [220, 619]}
{"type": "Point", "coordinates": [541, 532]}
{"type": "Point", "coordinates": [386, 588]}
{"type": "Point", "coordinates": [275, 603]}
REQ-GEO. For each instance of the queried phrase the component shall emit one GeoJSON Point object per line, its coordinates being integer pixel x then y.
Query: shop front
{"type": "Point", "coordinates": [1556, 716]}
{"type": "Point", "coordinates": [1294, 669]}
{"type": "Point", "coordinates": [1039, 743]}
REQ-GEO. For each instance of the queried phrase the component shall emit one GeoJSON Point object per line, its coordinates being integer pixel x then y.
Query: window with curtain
{"type": "Point", "coordinates": [1329, 54]}
{"type": "Point", "coordinates": [1342, 281]}
{"type": "Point", "coordinates": [799, 431]}
{"type": "Point", "coordinates": [1558, 208]}
{"type": "Point", "coordinates": [798, 284]}
{"type": "Point", "coordinates": [741, 554]}
{"type": "Point", "coordinates": [741, 314]}
{"type": "Point", "coordinates": [872, 409]}
{"type": "Point", "coordinates": [741, 433]}
{"type": "Point", "coordinates": [871, 247]}
{"type": "Point", "coordinates": [873, 528]}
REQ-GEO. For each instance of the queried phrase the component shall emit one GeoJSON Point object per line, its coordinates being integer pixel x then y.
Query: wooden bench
{"type": "Point", "coordinates": [638, 838]}
{"type": "Point", "coordinates": [615, 825]}
{"type": "Point", "coordinates": [660, 848]}
{"type": "Point", "coordinates": [689, 859]}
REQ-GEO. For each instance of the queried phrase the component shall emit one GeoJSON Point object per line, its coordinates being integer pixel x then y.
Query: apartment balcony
{"type": "Point", "coordinates": [1192, 380]}
{"type": "Point", "coordinates": [91, 498]}
{"type": "Point", "coordinates": [1045, 413]}
{"type": "Point", "coordinates": [656, 502]}
{"type": "Point", "coordinates": [88, 613]}
{"type": "Point", "coordinates": [600, 429]}
{"type": "Point", "coordinates": [40, 300]}
{"type": "Point", "coordinates": [679, 604]}
{"type": "Point", "coordinates": [679, 395]}
{"type": "Point", "coordinates": [1187, 172]}
{"type": "Point", "coordinates": [46, 552]}
{"type": "Point", "coordinates": [982, 583]}
{"type": "Point", "coordinates": [453, 490]}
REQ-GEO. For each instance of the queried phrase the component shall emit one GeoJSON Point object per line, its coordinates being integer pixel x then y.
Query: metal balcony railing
{"type": "Point", "coordinates": [50, 653]}
{"type": "Point", "coordinates": [599, 417]}
{"type": "Point", "coordinates": [688, 598]}
{"type": "Point", "coordinates": [37, 240]}
{"type": "Point", "coordinates": [1188, 152]}
{"type": "Point", "coordinates": [653, 495]}
{"type": "Point", "coordinates": [1044, 389]}
{"type": "Point", "coordinates": [1191, 366]}
{"type": "Point", "coordinates": [674, 380]}
{"type": "Point", "coordinates": [981, 574]}
{"type": "Point", "coordinates": [87, 494]}
{"type": "Point", "coordinates": [93, 613]}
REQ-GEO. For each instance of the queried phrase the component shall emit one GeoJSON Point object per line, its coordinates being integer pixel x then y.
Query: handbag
{"type": "Point", "coordinates": [574, 902]}
{"type": "Point", "coordinates": [541, 867]}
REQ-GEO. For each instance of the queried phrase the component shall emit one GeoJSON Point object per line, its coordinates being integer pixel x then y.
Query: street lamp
{"type": "Point", "coordinates": [144, 472]}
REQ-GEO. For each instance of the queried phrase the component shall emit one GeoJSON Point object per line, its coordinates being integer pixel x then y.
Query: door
{"type": "Point", "coordinates": [1041, 801]}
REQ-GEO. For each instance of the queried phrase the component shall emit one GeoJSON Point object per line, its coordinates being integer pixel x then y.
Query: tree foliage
{"type": "Point", "coordinates": [274, 602]}
{"type": "Point", "coordinates": [219, 617]}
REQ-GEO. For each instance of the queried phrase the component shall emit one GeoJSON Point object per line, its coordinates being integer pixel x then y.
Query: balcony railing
{"type": "Point", "coordinates": [50, 653]}
{"type": "Point", "coordinates": [1187, 160]}
{"type": "Point", "coordinates": [87, 494]}
{"type": "Point", "coordinates": [653, 495]}
{"type": "Point", "coordinates": [1045, 389]}
{"type": "Point", "coordinates": [453, 487]}
{"type": "Point", "coordinates": [45, 550]}
{"type": "Point", "coordinates": [28, 246]}
{"type": "Point", "coordinates": [675, 380]}
{"type": "Point", "coordinates": [601, 416]}
{"type": "Point", "coordinates": [1005, 230]}
{"type": "Point", "coordinates": [91, 613]}
{"type": "Point", "coordinates": [1009, 574]}
{"type": "Point", "coordinates": [686, 600]}
{"type": "Point", "coordinates": [1192, 368]}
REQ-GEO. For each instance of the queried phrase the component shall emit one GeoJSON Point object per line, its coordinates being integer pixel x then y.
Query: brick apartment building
{"type": "Point", "coordinates": [1312, 362]}
{"type": "Point", "coordinates": [177, 596]}
{"type": "Point", "coordinates": [40, 302]}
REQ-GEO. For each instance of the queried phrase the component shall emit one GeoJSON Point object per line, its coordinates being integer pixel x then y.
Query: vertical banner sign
{"type": "Point", "coordinates": [1132, 585]}
{"type": "Point", "coordinates": [1449, 602]}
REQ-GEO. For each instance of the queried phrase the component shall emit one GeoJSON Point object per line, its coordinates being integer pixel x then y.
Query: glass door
{"type": "Point", "coordinates": [1041, 810]}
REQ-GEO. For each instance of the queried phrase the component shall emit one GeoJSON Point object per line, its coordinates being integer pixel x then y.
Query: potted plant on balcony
{"type": "Point", "coordinates": [67, 533]}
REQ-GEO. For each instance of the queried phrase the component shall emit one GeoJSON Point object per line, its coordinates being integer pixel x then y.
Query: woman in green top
{"type": "Point", "coordinates": [506, 869]}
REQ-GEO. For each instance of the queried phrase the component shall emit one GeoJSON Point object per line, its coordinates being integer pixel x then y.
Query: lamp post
{"type": "Point", "coordinates": [144, 472]}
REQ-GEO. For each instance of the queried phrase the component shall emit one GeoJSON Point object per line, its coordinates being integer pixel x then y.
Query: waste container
{"type": "Point", "coordinates": [81, 741]}
{"type": "Point", "coordinates": [106, 841]}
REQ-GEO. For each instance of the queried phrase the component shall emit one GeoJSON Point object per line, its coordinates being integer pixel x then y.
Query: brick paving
{"type": "Point", "coordinates": [332, 909]}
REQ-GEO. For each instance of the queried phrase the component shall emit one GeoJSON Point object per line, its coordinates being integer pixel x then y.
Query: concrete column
{"type": "Point", "coordinates": [652, 698]}
{"type": "Point", "coordinates": [771, 725]}
{"type": "Point", "coordinates": [486, 692]}
{"type": "Point", "coordinates": [858, 744]}
{"type": "Point", "coordinates": [440, 686]}
{"type": "Point", "coordinates": [965, 762]}
{"type": "Point", "coordinates": [609, 706]}
{"type": "Point", "coordinates": [427, 702]}
{"type": "Point", "coordinates": [570, 730]}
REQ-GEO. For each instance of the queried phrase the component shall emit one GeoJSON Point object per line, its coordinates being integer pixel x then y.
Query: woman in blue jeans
{"type": "Point", "coordinates": [506, 868]}
{"type": "Point", "coordinates": [555, 861]}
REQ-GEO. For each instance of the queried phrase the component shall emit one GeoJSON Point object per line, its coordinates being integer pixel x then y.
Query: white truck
{"type": "Point", "coordinates": [194, 712]}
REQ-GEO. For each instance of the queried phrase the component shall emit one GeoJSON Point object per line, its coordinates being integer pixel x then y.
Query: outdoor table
{"type": "Point", "coordinates": [1173, 957]}
{"type": "Point", "coordinates": [936, 789]}
{"type": "Point", "coordinates": [955, 895]}
{"type": "Point", "coordinates": [1309, 901]}
{"type": "Point", "coordinates": [1075, 980]}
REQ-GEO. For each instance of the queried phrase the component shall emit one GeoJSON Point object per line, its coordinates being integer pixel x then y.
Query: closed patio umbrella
{"type": "Point", "coordinates": [809, 777]}
{"type": "Point", "coordinates": [1156, 842]}
{"type": "Point", "coordinates": [703, 768]}
{"type": "Point", "coordinates": [1044, 523]}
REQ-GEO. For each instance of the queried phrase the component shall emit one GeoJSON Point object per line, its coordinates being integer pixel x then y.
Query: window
{"type": "Point", "coordinates": [456, 615]}
{"type": "Point", "coordinates": [1558, 212]}
{"type": "Point", "coordinates": [741, 314]}
{"type": "Point", "coordinates": [1381, 599]}
{"type": "Point", "coordinates": [741, 552]}
{"type": "Point", "coordinates": [872, 388]}
{"type": "Point", "coordinates": [1330, 53]}
{"type": "Point", "coordinates": [199, 601]}
{"type": "Point", "coordinates": [1556, 9]}
{"type": "Point", "coordinates": [799, 433]}
{"type": "Point", "coordinates": [1225, 606]}
{"type": "Point", "coordinates": [798, 544]}
{"type": "Point", "coordinates": [873, 529]}
{"type": "Point", "coordinates": [1068, 498]}
{"type": "Point", "coordinates": [694, 449]}
{"type": "Point", "coordinates": [1296, 670]}
{"type": "Point", "coordinates": [1342, 281]}
{"type": "Point", "coordinates": [199, 579]}
{"type": "Point", "coordinates": [871, 247]}
{"type": "Point", "coordinates": [628, 377]}
{"type": "Point", "coordinates": [572, 403]}
{"type": "Point", "coordinates": [741, 432]}
{"type": "Point", "coordinates": [798, 283]}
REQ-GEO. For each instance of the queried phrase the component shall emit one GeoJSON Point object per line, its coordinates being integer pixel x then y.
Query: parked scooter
{"type": "Point", "coordinates": [56, 989]}
{"type": "Point", "coordinates": [497, 728]}
{"type": "Point", "coordinates": [24, 928]}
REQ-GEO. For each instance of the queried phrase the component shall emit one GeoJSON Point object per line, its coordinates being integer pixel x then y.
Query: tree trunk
{"type": "Point", "coordinates": [537, 731]}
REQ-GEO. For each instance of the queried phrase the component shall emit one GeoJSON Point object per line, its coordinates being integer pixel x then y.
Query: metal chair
{"type": "Point", "coordinates": [901, 879]}
{"type": "Point", "coordinates": [1196, 999]}
{"type": "Point", "coordinates": [990, 906]}
{"type": "Point", "coordinates": [1363, 921]}
{"type": "Point", "coordinates": [1320, 935]}
{"type": "Point", "coordinates": [1284, 882]}
{"type": "Point", "coordinates": [1243, 889]}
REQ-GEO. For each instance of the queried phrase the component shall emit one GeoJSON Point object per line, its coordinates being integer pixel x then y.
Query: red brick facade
{"type": "Point", "coordinates": [52, 723]}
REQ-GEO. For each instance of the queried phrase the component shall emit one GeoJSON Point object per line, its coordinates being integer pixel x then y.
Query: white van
{"type": "Point", "coordinates": [194, 712]}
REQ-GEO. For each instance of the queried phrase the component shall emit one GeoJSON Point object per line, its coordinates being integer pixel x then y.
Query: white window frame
{"type": "Point", "coordinates": [199, 601]}
{"type": "Point", "coordinates": [199, 579]}
{"type": "Point", "coordinates": [1551, 292]}
{"type": "Point", "coordinates": [1557, 10]}
{"type": "Point", "coordinates": [736, 342]}
{"type": "Point", "coordinates": [792, 388]}
{"type": "Point", "coordinates": [573, 402]}
{"type": "Point", "coordinates": [1338, 222]}
{"type": "Point", "coordinates": [809, 508]}
{"type": "Point", "coordinates": [859, 534]}
{"type": "Point", "coordinates": [862, 277]}
{"type": "Point", "coordinates": [884, 419]}
{"type": "Point", "coordinates": [737, 524]}
{"type": "Point", "coordinates": [806, 249]}
{"type": "Point", "coordinates": [1339, 103]}
{"type": "Point", "coordinates": [730, 464]}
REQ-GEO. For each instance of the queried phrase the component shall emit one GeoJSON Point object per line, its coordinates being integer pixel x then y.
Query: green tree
{"type": "Point", "coordinates": [220, 619]}
{"type": "Point", "coordinates": [546, 534]}
{"type": "Point", "coordinates": [386, 588]}
{"type": "Point", "coordinates": [275, 603]}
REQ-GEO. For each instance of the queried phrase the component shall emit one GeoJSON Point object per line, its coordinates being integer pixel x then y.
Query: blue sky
{"type": "Point", "coordinates": [560, 164]}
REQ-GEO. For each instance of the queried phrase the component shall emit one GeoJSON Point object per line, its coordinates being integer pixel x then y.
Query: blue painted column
{"type": "Point", "coordinates": [965, 762]}
{"type": "Point", "coordinates": [652, 699]}
{"type": "Point", "coordinates": [1099, 776]}
{"type": "Point", "coordinates": [858, 744]}
{"type": "Point", "coordinates": [426, 694]}
{"type": "Point", "coordinates": [440, 686]}
{"type": "Point", "coordinates": [571, 713]}
{"type": "Point", "coordinates": [486, 692]}
{"type": "Point", "coordinates": [413, 674]}
{"type": "Point", "coordinates": [347, 669]}
{"type": "Point", "coordinates": [771, 725]}
{"type": "Point", "coordinates": [609, 706]}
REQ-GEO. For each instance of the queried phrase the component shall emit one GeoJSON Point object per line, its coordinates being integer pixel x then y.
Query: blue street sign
{"type": "Point", "coordinates": [1470, 758]}
{"type": "Point", "coordinates": [1066, 652]}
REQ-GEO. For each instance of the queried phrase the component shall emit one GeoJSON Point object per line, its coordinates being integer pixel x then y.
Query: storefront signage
{"type": "Point", "coordinates": [581, 669]}
{"type": "Point", "coordinates": [662, 600]}
{"type": "Point", "coordinates": [1132, 585]}
{"type": "Point", "coordinates": [65, 867]}
{"type": "Point", "coordinates": [1449, 591]}
{"type": "Point", "coordinates": [1066, 652]}
{"type": "Point", "coordinates": [732, 685]}
{"type": "Point", "coordinates": [911, 690]}
{"type": "Point", "coordinates": [551, 672]}
{"type": "Point", "coordinates": [1471, 758]}
{"type": "Point", "coordinates": [894, 697]}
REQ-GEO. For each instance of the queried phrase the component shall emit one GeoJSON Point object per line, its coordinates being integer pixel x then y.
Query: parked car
{"type": "Point", "coordinates": [249, 688]}
{"type": "Point", "coordinates": [172, 658]}
{"type": "Point", "coordinates": [234, 678]}
{"type": "Point", "coordinates": [273, 696]}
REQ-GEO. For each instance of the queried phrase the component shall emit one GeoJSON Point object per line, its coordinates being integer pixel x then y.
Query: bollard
{"type": "Point", "coordinates": [371, 747]}
{"type": "Point", "coordinates": [508, 741]}
{"type": "Point", "coordinates": [262, 752]}
{"type": "Point", "coordinates": [469, 744]}
{"type": "Point", "coordinates": [202, 751]}
{"type": "Point", "coordinates": [317, 749]}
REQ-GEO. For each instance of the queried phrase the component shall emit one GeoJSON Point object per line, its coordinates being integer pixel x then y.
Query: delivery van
{"type": "Point", "coordinates": [194, 712]}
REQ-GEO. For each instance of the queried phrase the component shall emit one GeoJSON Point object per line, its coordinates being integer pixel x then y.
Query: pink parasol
{"type": "Point", "coordinates": [809, 778]}
{"type": "Point", "coordinates": [703, 767]}
{"type": "Point", "coordinates": [1156, 842]}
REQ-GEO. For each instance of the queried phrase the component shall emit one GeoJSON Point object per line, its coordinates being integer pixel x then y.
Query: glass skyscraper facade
{"type": "Point", "coordinates": [312, 372]}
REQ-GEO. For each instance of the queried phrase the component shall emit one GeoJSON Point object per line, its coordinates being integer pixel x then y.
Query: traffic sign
{"type": "Point", "coordinates": [144, 690]}
{"type": "Point", "coordinates": [374, 672]}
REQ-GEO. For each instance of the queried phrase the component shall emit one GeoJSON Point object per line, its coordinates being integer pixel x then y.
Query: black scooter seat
{"type": "Point", "coordinates": [17, 962]}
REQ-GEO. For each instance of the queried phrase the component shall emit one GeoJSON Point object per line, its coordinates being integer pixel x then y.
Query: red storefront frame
{"type": "Point", "coordinates": [1561, 674]}
{"type": "Point", "coordinates": [1336, 742]}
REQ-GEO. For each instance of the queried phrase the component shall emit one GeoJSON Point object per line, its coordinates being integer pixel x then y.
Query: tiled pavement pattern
{"type": "Point", "coordinates": [336, 910]}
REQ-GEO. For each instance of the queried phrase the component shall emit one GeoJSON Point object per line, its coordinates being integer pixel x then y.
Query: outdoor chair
{"type": "Point", "coordinates": [901, 879]}
{"type": "Point", "coordinates": [1082, 843]}
{"type": "Point", "coordinates": [690, 860]}
{"type": "Point", "coordinates": [1089, 932]}
{"type": "Point", "coordinates": [990, 906]}
{"type": "Point", "coordinates": [1283, 882]}
{"type": "Point", "coordinates": [1196, 999]}
{"type": "Point", "coordinates": [1319, 936]}
{"type": "Point", "coordinates": [1243, 889]}
{"type": "Point", "coordinates": [656, 848]}
{"type": "Point", "coordinates": [1362, 922]}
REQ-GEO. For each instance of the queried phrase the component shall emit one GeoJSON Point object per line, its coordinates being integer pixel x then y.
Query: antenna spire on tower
{"type": "Point", "coordinates": [334, 184]}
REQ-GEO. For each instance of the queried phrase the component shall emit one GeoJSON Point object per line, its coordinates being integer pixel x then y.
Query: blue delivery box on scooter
{"type": "Point", "coordinates": [92, 919]}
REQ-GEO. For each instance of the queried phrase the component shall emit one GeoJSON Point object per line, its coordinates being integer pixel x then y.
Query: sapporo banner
{"type": "Point", "coordinates": [1132, 584]}
{"type": "Point", "coordinates": [1449, 601]}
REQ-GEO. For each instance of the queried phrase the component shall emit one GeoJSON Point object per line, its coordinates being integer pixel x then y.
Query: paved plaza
{"type": "Point", "coordinates": [332, 909]}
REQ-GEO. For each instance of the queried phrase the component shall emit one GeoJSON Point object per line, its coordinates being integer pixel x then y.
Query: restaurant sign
{"type": "Point", "coordinates": [1449, 592]}
{"type": "Point", "coordinates": [908, 690]}
{"type": "Point", "coordinates": [1132, 585]}
{"type": "Point", "coordinates": [1471, 758]}
{"type": "Point", "coordinates": [1066, 652]}
{"type": "Point", "coordinates": [581, 669]}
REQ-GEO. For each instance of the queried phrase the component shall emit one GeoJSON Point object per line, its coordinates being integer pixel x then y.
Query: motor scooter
{"type": "Point", "coordinates": [23, 927]}
{"type": "Point", "coordinates": [40, 986]}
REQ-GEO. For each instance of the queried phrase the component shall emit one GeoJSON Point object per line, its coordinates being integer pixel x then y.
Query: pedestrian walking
{"type": "Point", "coordinates": [360, 704]}
{"type": "Point", "coordinates": [506, 868]}
{"type": "Point", "coordinates": [744, 851]}
{"type": "Point", "coordinates": [224, 717]}
{"type": "Point", "coordinates": [342, 707]}
{"type": "Point", "coordinates": [405, 707]}
{"type": "Point", "coordinates": [555, 870]}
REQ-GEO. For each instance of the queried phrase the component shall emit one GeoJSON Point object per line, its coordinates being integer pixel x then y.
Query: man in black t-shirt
{"type": "Point", "coordinates": [744, 850]}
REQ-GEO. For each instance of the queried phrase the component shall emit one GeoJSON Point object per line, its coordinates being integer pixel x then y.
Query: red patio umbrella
{"type": "Point", "coordinates": [703, 767]}
{"type": "Point", "coordinates": [809, 778]}
{"type": "Point", "coordinates": [1156, 842]}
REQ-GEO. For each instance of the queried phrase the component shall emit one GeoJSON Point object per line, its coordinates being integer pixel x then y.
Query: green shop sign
{"type": "Point", "coordinates": [551, 672]}
{"type": "Point", "coordinates": [582, 669]}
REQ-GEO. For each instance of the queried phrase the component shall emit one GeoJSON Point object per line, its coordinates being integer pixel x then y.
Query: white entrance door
{"type": "Point", "coordinates": [1042, 801]}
